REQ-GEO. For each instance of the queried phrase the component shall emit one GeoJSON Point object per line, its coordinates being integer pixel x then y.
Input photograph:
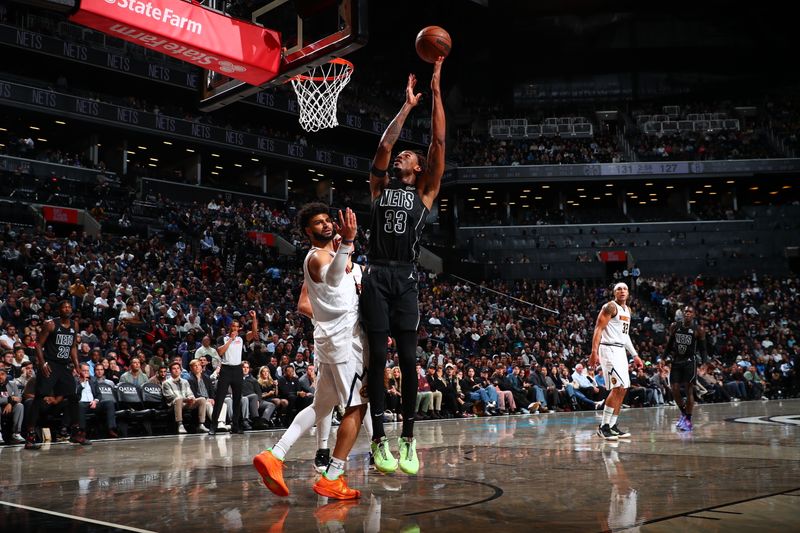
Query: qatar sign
{"type": "Point", "coordinates": [190, 33]}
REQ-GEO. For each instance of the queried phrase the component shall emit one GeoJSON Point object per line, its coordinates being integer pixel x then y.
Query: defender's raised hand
{"type": "Point", "coordinates": [348, 225]}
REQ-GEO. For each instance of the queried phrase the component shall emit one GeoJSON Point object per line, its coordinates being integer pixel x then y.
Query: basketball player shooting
{"type": "Point", "coordinates": [389, 298]}
{"type": "Point", "coordinates": [610, 341]}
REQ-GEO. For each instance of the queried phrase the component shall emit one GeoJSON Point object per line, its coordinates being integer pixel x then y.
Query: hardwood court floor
{"type": "Point", "coordinates": [738, 471]}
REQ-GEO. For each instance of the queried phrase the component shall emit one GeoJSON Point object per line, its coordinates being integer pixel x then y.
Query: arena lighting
{"type": "Point", "coordinates": [215, 173]}
{"type": "Point", "coordinates": [707, 186]}
{"type": "Point", "coordinates": [595, 198]}
{"type": "Point", "coordinates": [648, 184]}
{"type": "Point", "coordinates": [609, 184]}
{"type": "Point", "coordinates": [774, 192]}
{"type": "Point", "coordinates": [218, 167]}
{"type": "Point", "coordinates": [214, 155]}
{"type": "Point", "coordinates": [712, 193]}
{"type": "Point", "coordinates": [730, 181]}
{"type": "Point", "coordinates": [670, 187]}
{"type": "Point", "coordinates": [608, 194]}
{"type": "Point", "coordinates": [256, 160]}
{"type": "Point", "coordinates": [40, 139]}
{"type": "Point", "coordinates": [314, 179]}
{"type": "Point", "coordinates": [239, 165]}
{"type": "Point", "coordinates": [582, 196]}
{"type": "Point", "coordinates": [312, 170]}
{"type": "Point", "coordinates": [537, 198]}
{"type": "Point", "coordinates": [61, 122]}
{"type": "Point", "coordinates": [34, 128]}
{"type": "Point", "coordinates": [545, 186]}
{"type": "Point", "coordinates": [754, 188]}
{"type": "Point", "coordinates": [526, 206]}
{"type": "Point", "coordinates": [167, 143]}
{"type": "Point", "coordinates": [290, 181]}
{"type": "Point", "coordinates": [349, 180]}
{"type": "Point", "coordinates": [473, 188]}
{"type": "Point", "coordinates": [786, 187]}
{"type": "Point", "coordinates": [153, 159]}
{"type": "Point", "coordinates": [3, 129]}
{"type": "Point", "coordinates": [470, 199]}
{"type": "Point", "coordinates": [581, 189]}
{"type": "Point", "coordinates": [142, 147]}
{"type": "Point", "coordinates": [190, 150]}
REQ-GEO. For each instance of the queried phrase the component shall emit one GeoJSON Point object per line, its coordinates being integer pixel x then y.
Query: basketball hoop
{"type": "Point", "coordinates": [318, 91]}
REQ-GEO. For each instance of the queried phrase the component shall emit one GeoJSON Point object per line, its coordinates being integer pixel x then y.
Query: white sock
{"type": "Point", "coordinates": [613, 421]}
{"type": "Point", "coordinates": [608, 412]}
{"type": "Point", "coordinates": [335, 469]}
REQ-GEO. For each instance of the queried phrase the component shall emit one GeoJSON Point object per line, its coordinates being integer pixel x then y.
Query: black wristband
{"type": "Point", "coordinates": [375, 171]}
{"type": "Point", "coordinates": [348, 242]}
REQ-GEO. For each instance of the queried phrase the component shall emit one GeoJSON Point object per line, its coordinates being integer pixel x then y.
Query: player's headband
{"type": "Point", "coordinates": [620, 285]}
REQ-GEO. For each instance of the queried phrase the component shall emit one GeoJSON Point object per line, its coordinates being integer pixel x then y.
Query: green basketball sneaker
{"type": "Point", "coordinates": [409, 463]}
{"type": "Point", "coordinates": [384, 460]}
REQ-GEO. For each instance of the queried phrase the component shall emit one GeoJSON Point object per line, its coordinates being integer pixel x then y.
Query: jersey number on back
{"type": "Point", "coordinates": [395, 221]}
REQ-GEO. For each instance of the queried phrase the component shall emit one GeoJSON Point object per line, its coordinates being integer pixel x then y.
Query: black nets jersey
{"type": "Point", "coordinates": [58, 345]}
{"type": "Point", "coordinates": [684, 342]}
{"type": "Point", "coordinates": [397, 219]}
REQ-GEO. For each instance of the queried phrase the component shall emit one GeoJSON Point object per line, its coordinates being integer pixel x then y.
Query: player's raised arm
{"type": "Point", "coordinates": [379, 174]}
{"type": "Point", "coordinates": [430, 181]}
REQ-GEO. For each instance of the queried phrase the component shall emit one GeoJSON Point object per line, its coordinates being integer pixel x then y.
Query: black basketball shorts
{"type": "Point", "coordinates": [389, 298]}
{"type": "Point", "coordinates": [683, 372]}
{"type": "Point", "coordinates": [60, 383]}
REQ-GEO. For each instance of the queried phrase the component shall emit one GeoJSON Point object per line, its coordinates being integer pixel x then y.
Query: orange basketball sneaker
{"type": "Point", "coordinates": [335, 512]}
{"type": "Point", "coordinates": [271, 470]}
{"type": "Point", "coordinates": [336, 489]}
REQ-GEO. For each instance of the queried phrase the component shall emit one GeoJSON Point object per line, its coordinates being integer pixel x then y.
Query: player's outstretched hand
{"type": "Point", "coordinates": [437, 73]}
{"type": "Point", "coordinates": [348, 224]}
{"type": "Point", "coordinates": [411, 98]}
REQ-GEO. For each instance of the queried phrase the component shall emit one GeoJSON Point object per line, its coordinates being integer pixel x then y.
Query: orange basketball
{"type": "Point", "coordinates": [432, 42]}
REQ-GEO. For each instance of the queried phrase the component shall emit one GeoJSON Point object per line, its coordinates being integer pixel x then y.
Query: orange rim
{"type": "Point", "coordinates": [335, 61]}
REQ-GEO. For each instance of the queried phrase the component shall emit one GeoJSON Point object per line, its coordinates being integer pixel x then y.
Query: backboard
{"type": "Point", "coordinates": [312, 33]}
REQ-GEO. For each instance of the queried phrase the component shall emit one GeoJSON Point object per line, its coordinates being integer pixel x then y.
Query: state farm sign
{"type": "Point", "coordinates": [190, 33]}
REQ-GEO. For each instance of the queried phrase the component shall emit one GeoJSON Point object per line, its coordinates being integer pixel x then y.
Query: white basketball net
{"type": "Point", "coordinates": [318, 91]}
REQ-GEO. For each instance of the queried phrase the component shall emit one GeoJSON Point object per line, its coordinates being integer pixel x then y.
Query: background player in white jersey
{"type": "Point", "coordinates": [338, 345]}
{"type": "Point", "coordinates": [610, 341]}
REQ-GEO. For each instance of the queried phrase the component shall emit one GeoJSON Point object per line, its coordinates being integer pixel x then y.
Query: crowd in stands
{"type": "Point", "coordinates": [700, 146]}
{"type": "Point", "coordinates": [473, 151]}
{"type": "Point", "coordinates": [143, 306]}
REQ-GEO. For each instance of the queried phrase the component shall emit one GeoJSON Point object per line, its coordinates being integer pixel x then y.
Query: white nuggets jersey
{"type": "Point", "coordinates": [335, 314]}
{"type": "Point", "coordinates": [616, 332]}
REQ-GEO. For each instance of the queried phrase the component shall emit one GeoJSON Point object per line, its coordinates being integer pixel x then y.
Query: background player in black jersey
{"type": "Point", "coordinates": [56, 350]}
{"type": "Point", "coordinates": [389, 297]}
{"type": "Point", "coordinates": [686, 342]}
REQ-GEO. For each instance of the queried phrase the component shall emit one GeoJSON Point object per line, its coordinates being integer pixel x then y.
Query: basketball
{"type": "Point", "coordinates": [432, 42]}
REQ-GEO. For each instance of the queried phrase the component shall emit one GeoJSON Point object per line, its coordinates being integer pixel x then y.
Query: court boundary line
{"type": "Point", "coordinates": [708, 509]}
{"type": "Point", "coordinates": [75, 517]}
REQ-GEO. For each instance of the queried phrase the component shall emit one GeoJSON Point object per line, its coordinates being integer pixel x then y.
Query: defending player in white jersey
{"type": "Point", "coordinates": [338, 344]}
{"type": "Point", "coordinates": [610, 341]}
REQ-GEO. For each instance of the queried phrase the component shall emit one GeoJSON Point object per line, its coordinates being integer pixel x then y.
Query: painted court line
{"type": "Point", "coordinates": [73, 517]}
